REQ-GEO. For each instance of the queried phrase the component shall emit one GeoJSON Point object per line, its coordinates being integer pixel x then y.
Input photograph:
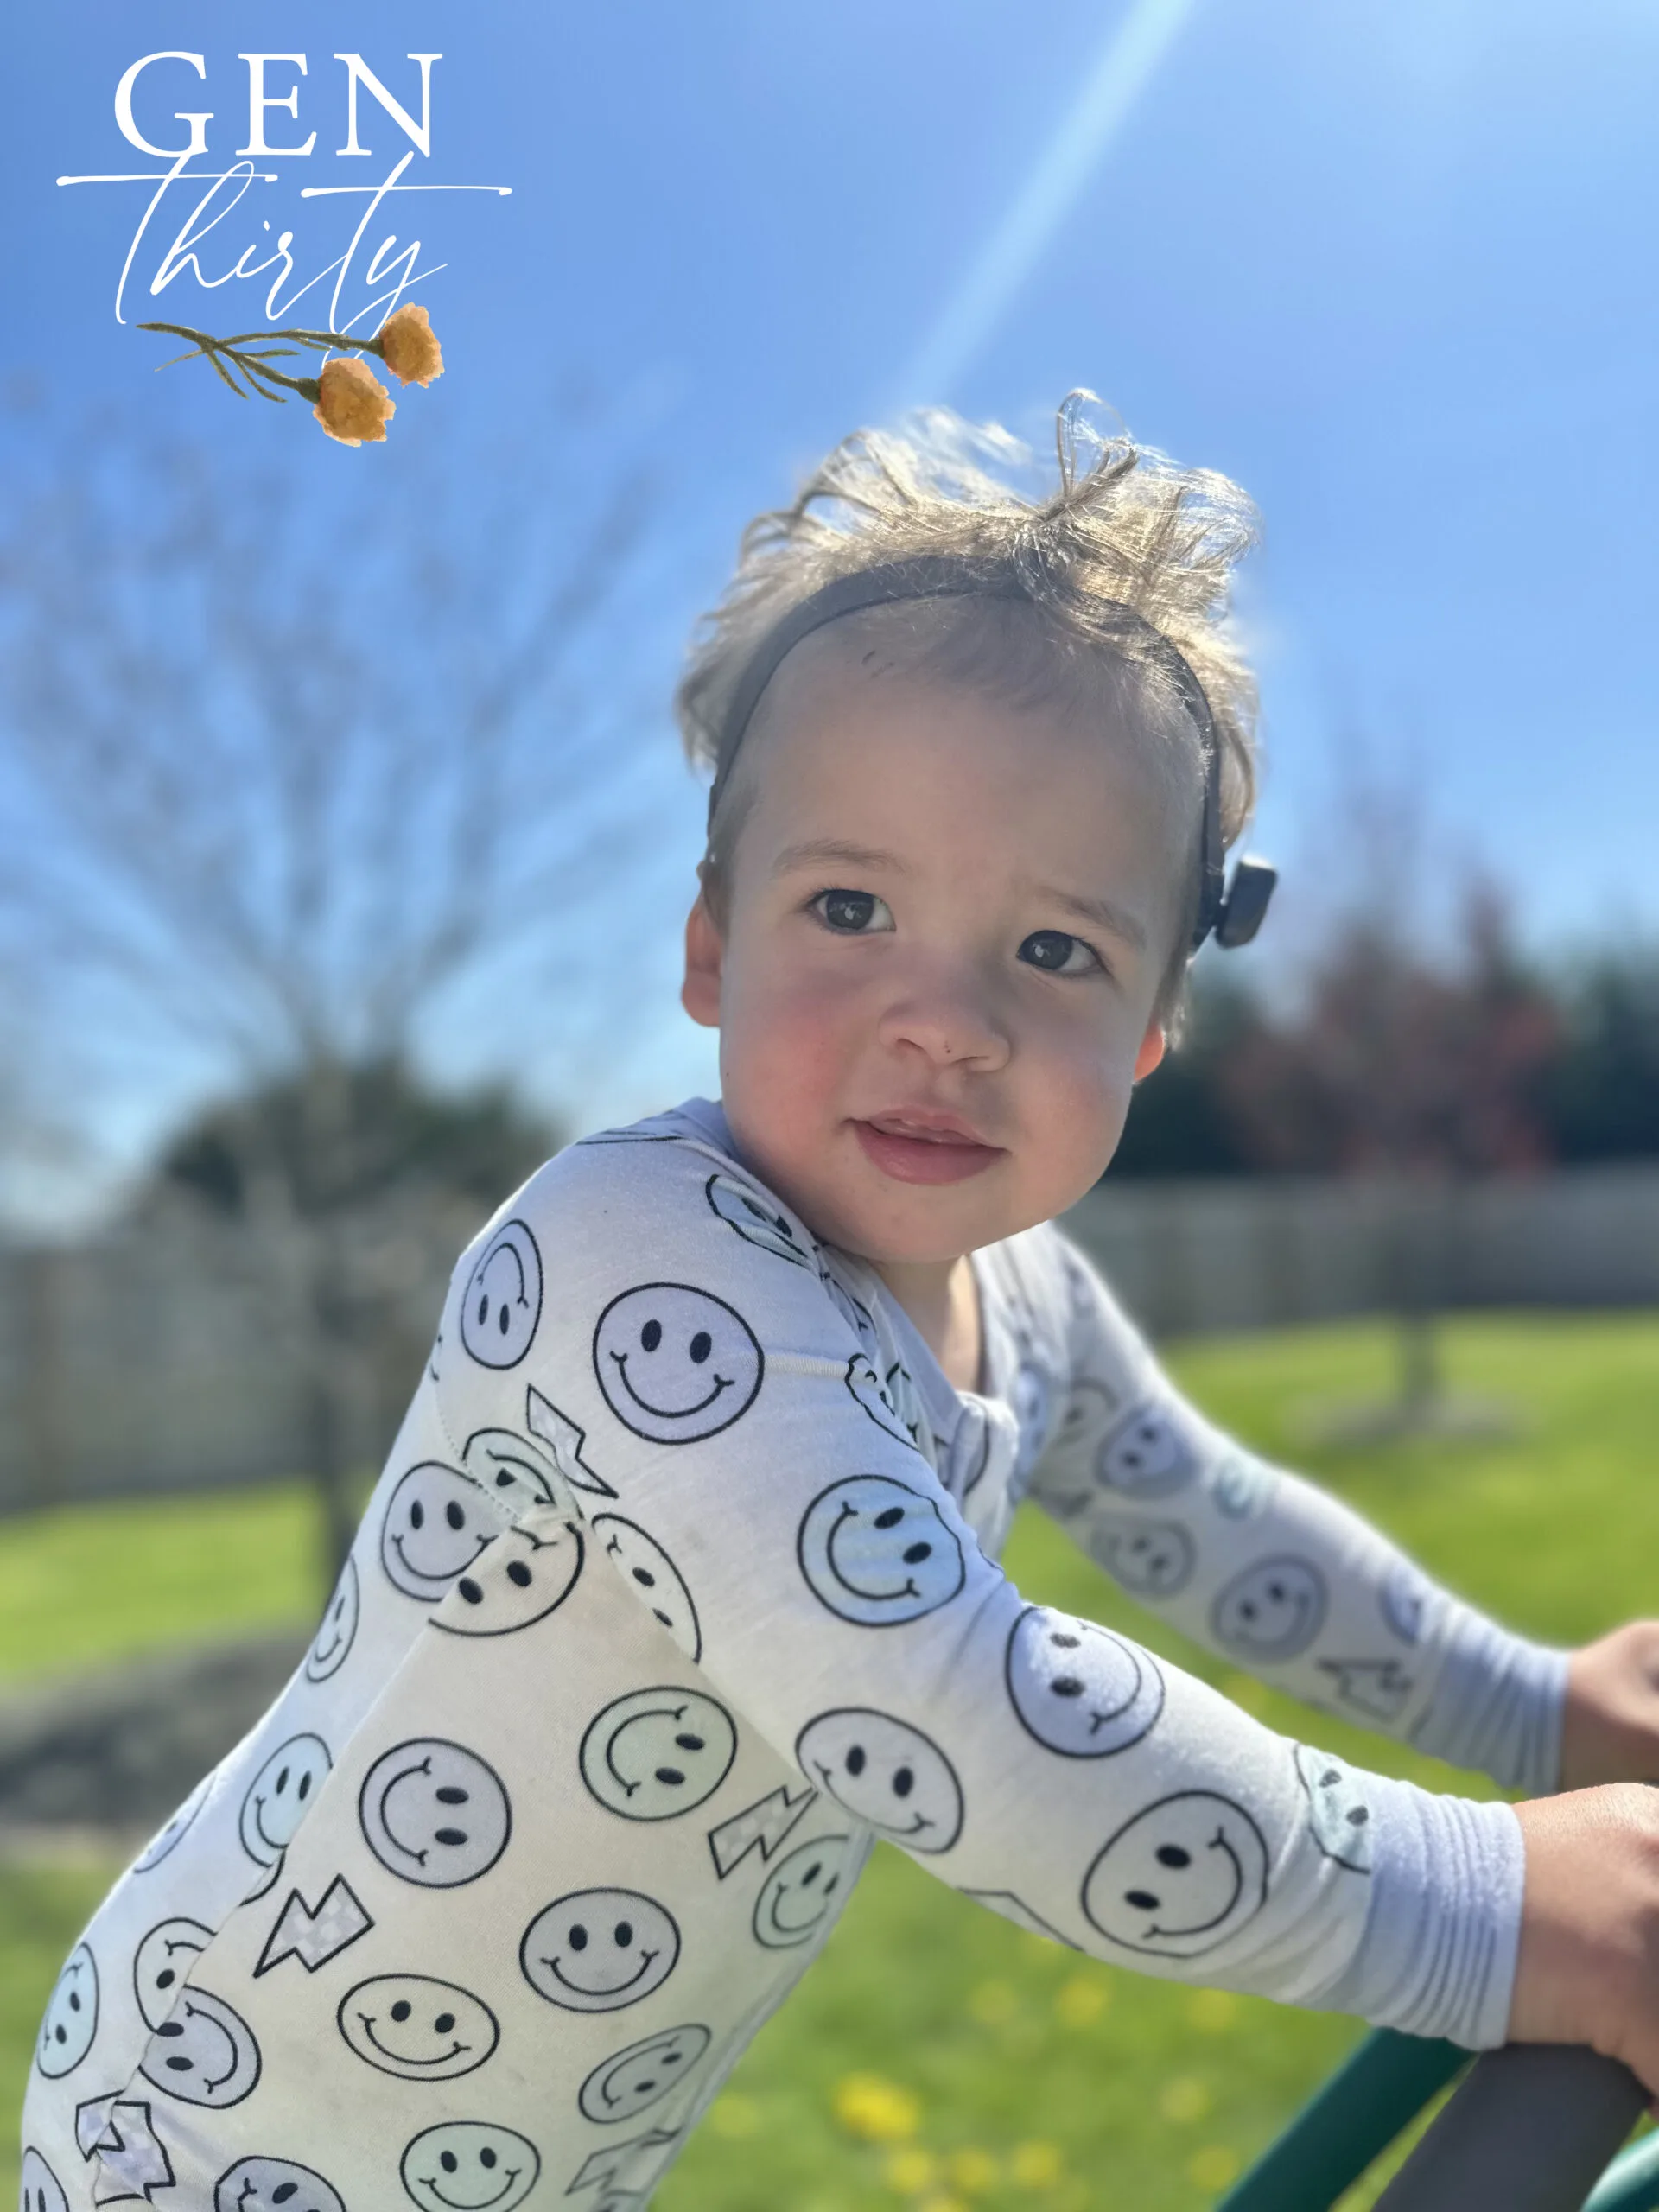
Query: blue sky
{"type": "Point", "coordinates": [1387, 263]}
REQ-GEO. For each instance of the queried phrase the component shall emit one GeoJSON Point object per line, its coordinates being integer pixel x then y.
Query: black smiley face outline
{"type": "Point", "coordinates": [337, 1625]}
{"type": "Point", "coordinates": [905, 1749]}
{"type": "Point", "coordinates": [771, 1930]}
{"type": "Point", "coordinates": [1146, 1454]}
{"type": "Point", "coordinates": [443, 2144]}
{"type": "Point", "coordinates": [668, 1423]}
{"type": "Point", "coordinates": [520, 1309]}
{"type": "Point", "coordinates": [296, 1755]}
{"type": "Point", "coordinates": [816, 1550]}
{"type": "Point", "coordinates": [681, 2048]}
{"type": "Point", "coordinates": [743, 1212]}
{"type": "Point", "coordinates": [650, 1565]}
{"type": "Point", "coordinates": [167, 1837]}
{"type": "Point", "coordinates": [1207, 1830]}
{"type": "Point", "coordinates": [58, 2038]}
{"type": "Point", "coordinates": [698, 1722]}
{"type": "Point", "coordinates": [384, 2058]}
{"type": "Point", "coordinates": [1291, 1585]}
{"type": "Point", "coordinates": [1051, 1689]}
{"type": "Point", "coordinates": [1150, 1558]}
{"type": "Point", "coordinates": [200, 2018]}
{"type": "Point", "coordinates": [628, 1906]}
{"type": "Point", "coordinates": [459, 1778]}
{"type": "Point", "coordinates": [35, 2177]}
{"type": "Point", "coordinates": [466, 1512]}
{"type": "Point", "coordinates": [484, 1604]}
{"type": "Point", "coordinates": [237, 2190]}
{"type": "Point", "coordinates": [155, 1984]}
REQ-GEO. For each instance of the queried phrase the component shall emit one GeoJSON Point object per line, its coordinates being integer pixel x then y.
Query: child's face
{"type": "Point", "coordinates": [945, 927]}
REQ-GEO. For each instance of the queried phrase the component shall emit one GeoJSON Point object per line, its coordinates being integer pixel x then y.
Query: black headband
{"type": "Point", "coordinates": [1234, 915]}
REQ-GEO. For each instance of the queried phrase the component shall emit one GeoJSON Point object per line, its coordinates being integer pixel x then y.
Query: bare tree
{"type": "Point", "coordinates": [279, 788]}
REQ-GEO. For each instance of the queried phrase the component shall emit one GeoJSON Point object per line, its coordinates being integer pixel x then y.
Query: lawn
{"type": "Point", "coordinates": [938, 2058]}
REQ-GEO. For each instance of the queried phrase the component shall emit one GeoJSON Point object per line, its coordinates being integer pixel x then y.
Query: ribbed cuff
{"type": "Point", "coordinates": [1497, 1706]}
{"type": "Point", "coordinates": [1437, 1955]}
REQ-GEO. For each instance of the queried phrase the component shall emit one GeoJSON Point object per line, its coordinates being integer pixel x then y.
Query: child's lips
{"type": "Point", "coordinates": [934, 1150]}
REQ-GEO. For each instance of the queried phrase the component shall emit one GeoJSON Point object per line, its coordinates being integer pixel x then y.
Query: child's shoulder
{"type": "Point", "coordinates": [656, 1183]}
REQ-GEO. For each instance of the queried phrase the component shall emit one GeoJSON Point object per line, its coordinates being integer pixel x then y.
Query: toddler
{"type": "Point", "coordinates": [680, 1587]}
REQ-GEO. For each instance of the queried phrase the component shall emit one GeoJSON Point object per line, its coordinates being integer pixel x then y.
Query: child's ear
{"type": "Point", "coordinates": [1152, 1048]}
{"type": "Point", "coordinates": [705, 952]}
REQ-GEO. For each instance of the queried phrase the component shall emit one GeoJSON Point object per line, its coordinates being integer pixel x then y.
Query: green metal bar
{"type": "Point", "coordinates": [1347, 2123]}
{"type": "Point", "coordinates": [1631, 2182]}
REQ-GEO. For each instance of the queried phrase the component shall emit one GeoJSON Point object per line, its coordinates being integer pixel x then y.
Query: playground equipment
{"type": "Point", "coordinates": [1528, 2129]}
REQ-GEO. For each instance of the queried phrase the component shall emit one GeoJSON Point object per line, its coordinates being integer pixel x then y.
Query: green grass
{"type": "Point", "coordinates": [937, 2057]}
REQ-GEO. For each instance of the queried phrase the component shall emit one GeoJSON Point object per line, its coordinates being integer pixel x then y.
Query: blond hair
{"type": "Point", "coordinates": [1126, 528]}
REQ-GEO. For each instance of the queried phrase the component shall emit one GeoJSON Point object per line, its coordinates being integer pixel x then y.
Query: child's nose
{"type": "Point", "coordinates": [950, 1020]}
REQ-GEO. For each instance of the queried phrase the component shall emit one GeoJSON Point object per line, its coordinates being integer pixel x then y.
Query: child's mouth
{"type": "Point", "coordinates": [918, 1152]}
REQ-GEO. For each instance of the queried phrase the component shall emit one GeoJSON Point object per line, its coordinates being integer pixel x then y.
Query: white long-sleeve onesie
{"type": "Point", "coordinates": [679, 1589]}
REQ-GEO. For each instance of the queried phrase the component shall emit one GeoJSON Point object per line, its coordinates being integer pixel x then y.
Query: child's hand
{"type": "Point", "coordinates": [1610, 1724]}
{"type": "Point", "coordinates": [1588, 1970]}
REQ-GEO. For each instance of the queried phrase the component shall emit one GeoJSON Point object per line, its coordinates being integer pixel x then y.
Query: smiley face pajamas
{"type": "Point", "coordinates": [679, 1590]}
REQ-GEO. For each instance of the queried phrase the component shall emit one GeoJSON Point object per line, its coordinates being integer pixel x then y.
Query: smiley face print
{"type": "Point", "coordinates": [274, 2185]}
{"type": "Point", "coordinates": [70, 2020]}
{"type": "Point", "coordinates": [203, 2053]}
{"type": "Point", "coordinates": [653, 1577]}
{"type": "Point", "coordinates": [416, 2027]}
{"type": "Point", "coordinates": [801, 1892]}
{"type": "Point", "coordinates": [1271, 1610]}
{"type": "Point", "coordinates": [433, 1812]}
{"type": "Point", "coordinates": [865, 1381]}
{"type": "Point", "coordinates": [280, 1795]}
{"type": "Point", "coordinates": [885, 1773]}
{"type": "Point", "coordinates": [1241, 1485]}
{"type": "Point", "coordinates": [1079, 1689]}
{"type": "Point", "coordinates": [657, 1753]}
{"type": "Point", "coordinates": [755, 1221]}
{"type": "Point", "coordinates": [526, 1574]}
{"type": "Point", "coordinates": [622, 2087]}
{"type": "Point", "coordinates": [41, 2190]}
{"type": "Point", "coordinates": [470, 2165]}
{"type": "Point", "coordinates": [437, 1522]}
{"type": "Point", "coordinates": [338, 1630]}
{"type": "Point", "coordinates": [162, 1960]}
{"type": "Point", "coordinates": [1084, 1418]}
{"type": "Point", "coordinates": [1150, 1558]}
{"type": "Point", "coordinates": [1179, 1878]}
{"type": "Point", "coordinates": [1404, 1598]}
{"type": "Point", "coordinates": [1339, 1820]}
{"type": "Point", "coordinates": [513, 1470]}
{"type": "Point", "coordinates": [167, 1837]}
{"type": "Point", "coordinates": [503, 1300]}
{"type": "Point", "coordinates": [674, 1364]}
{"type": "Point", "coordinates": [1146, 1454]}
{"type": "Point", "coordinates": [599, 1950]}
{"type": "Point", "coordinates": [877, 1552]}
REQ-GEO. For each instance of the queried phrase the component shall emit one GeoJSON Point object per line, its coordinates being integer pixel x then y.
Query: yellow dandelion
{"type": "Point", "coordinates": [733, 2115]}
{"type": "Point", "coordinates": [973, 2170]}
{"type": "Point", "coordinates": [1216, 2167]}
{"type": "Point", "coordinates": [1184, 2099]}
{"type": "Point", "coordinates": [1080, 2002]}
{"type": "Point", "coordinates": [1035, 2165]}
{"type": "Point", "coordinates": [875, 2110]}
{"type": "Point", "coordinates": [1212, 2010]}
{"type": "Point", "coordinates": [911, 2171]}
{"type": "Point", "coordinates": [993, 2002]}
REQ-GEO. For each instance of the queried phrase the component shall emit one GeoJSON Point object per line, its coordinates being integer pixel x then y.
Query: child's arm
{"type": "Point", "coordinates": [1261, 1567]}
{"type": "Point", "coordinates": [717, 1414]}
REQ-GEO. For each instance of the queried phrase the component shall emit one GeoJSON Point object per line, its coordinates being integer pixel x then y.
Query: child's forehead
{"type": "Point", "coordinates": [846, 720]}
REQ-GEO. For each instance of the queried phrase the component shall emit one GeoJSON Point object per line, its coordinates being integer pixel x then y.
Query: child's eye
{"type": "Point", "coordinates": [852, 914]}
{"type": "Point", "coordinates": [1058, 953]}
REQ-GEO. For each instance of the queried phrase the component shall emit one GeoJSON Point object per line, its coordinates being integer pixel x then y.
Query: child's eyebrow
{"type": "Point", "coordinates": [1103, 912]}
{"type": "Point", "coordinates": [817, 850]}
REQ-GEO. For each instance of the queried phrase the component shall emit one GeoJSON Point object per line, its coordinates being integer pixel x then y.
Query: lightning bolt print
{"type": "Point", "coordinates": [314, 1934]}
{"type": "Point", "coordinates": [760, 1826]}
{"type": "Point", "coordinates": [564, 1440]}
